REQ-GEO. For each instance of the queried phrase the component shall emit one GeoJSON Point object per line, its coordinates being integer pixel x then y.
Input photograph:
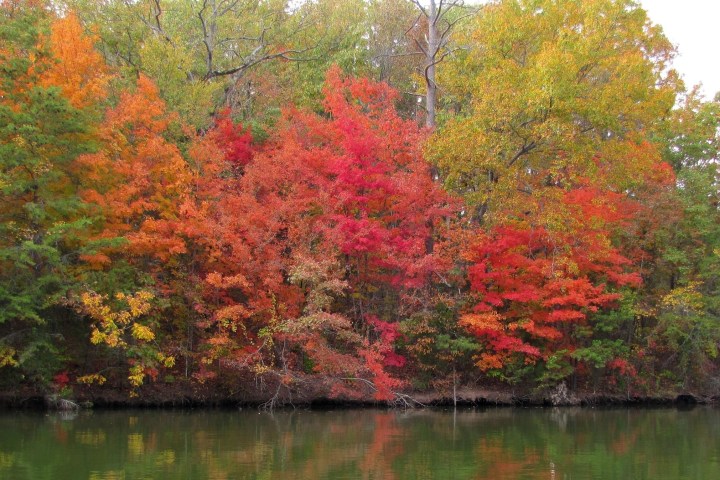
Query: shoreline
{"type": "Point", "coordinates": [466, 397]}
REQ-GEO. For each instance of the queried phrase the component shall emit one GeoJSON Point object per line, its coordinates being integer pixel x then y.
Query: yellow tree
{"type": "Point", "coordinates": [547, 87]}
{"type": "Point", "coordinates": [122, 328]}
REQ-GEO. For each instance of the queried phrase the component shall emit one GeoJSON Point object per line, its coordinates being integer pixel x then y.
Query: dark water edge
{"type": "Point", "coordinates": [118, 399]}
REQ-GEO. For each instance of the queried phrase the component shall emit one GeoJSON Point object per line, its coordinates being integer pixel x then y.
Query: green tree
{"type": "Point", "coordinates": [683, 291]}
{"type": "Point", "coordinates": [42, 219]}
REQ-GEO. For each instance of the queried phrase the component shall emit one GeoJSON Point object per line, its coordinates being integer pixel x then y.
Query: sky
{"type": "Point", "coordinates": [693, 26]}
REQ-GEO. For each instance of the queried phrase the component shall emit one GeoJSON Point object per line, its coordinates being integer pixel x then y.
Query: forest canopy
{"type": "Point", "coordinates": [362, 198]}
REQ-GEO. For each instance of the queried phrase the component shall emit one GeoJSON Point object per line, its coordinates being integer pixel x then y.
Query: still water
{"type": "Point", "coordinates": [492, 444]}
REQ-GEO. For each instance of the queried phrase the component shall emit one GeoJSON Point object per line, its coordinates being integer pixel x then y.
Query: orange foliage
{"type": "Point", "coordinates": [77, 68]}
{"type": "Point", "coordinates": [138, 177]}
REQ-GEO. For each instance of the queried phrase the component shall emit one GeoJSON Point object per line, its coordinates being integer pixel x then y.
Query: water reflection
{"type": "Point", "coordinates": [370, 444]}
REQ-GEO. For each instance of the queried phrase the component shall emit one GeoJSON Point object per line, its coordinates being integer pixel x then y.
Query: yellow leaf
{"type": "Point", "coordinates": [141, 332]}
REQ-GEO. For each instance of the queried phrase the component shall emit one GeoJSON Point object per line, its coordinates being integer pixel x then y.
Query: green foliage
{"type": "Point", "coordinates": [601, 352]}
{"type": "Point", "coordinates": [35, 355]}
{"type": "Point", "coordinates": [684, 286]}
{"type": "Point", "coordinates": [42, 219]}
{"type": "Point", "coordinates": [556, 368]}
{"type": "Point", "coordinates": [437, 347]}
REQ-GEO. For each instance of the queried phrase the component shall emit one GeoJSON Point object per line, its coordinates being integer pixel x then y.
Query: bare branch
{"type": "Point", "coordinates": [397, 55]}
{"type": "Point", "coordinates": [435, 62]}
{"type": "Point", "coordinates": [231, 5]}
{"type": "Point", "coordinates": [414, 24]}
{"type": "Point", "coordinates": [444, 55]}
{"type": "Point", "coordinates": [439, 13]}
{"type": "Point", "coordinates": [443, 279]}
{"type": "Point", "coordinates": [155, 26]}
{"type": "Point", "coordinates": [526, 148]}
{"type": "Point", "coordinates": [449, 6]}
{"type": "Point", "coordinates": [422, 9]}
{"type": "Point", "coordinates": [286, 54]}
{"type": "Point", "coordinates": [419, 45]}
{"type": "Point", "coordinates": [446, 33]}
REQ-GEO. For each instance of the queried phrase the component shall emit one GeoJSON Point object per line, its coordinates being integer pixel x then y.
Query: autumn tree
{"type": "Point", "coordinates": [43, 220]}
{"type": "Point", "coordinates": [139, 176]}
{"type": "Point", "coordinates": [77, 68]}
{"type": "Point", "coordinates": [538, 281]}
{"type": "Point", "coordinates": [545, 86]}
{"type": "Point", "coordinates": [325, 223]}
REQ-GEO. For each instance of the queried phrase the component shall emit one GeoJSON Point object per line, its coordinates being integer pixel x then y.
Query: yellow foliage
{"type": "Point", "coordinates": [548, 88]}
{"type": "Point", "coordinates": [137, 375]}
{"type": "Point", "coordinates": [7, 356]}
{"type": "Point", "coordinates": [92, 378]}
{"type": "Point", "coordinates": [121, 327]}
{"type": "Point", "coordinates": [111, 325]}
{"type": "Point", "coordinates": [97, 337]}
{"type": "Point", "coordinates": [687, 298]}
{"type": "Point", "coordinates": [166, 360]}
{"type": "Point", "coordinates": [141, 332]}
{"type": "Point", "coordinates": [260, 369]}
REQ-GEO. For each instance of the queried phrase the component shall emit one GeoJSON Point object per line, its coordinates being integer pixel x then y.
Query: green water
{"type": "Point", "coordinates": [493, 444]}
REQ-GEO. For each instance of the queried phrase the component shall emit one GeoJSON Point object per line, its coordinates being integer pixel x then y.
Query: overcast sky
{"type": "Point", "coordinates": [694, 27]}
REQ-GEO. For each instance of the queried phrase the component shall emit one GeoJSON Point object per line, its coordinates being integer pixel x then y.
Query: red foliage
{"type": "Point", "coordinates": [350, 190]}
{"type": "Point", "coordinates": [535, 278]}
{"type": "Point", "coordinates": [623, 367]}
{"type": "Point", "coordinates": [233, 140]}
{"type": "Point", "coordinates": [61, 379]}
{"type": "Point", "coordinates": [388, 333]}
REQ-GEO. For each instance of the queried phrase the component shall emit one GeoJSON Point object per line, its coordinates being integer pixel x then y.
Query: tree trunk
{"type": "Point", "coordinates": [430, 56]}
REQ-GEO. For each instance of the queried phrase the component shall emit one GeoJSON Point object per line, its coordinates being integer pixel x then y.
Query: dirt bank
{"type": "Point", "coordinates": [259, 395]}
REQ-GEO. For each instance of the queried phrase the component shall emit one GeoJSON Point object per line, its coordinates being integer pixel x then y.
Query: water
{"type": "Point", "coordinates": [492, 444]}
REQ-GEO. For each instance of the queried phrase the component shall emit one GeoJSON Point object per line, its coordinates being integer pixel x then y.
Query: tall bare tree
{"type": "Point", "coordinates": [441, 17]}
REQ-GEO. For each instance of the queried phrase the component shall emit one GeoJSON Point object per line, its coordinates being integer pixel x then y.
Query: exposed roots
{"type": "Point", "coordinates": [61, 404]}
{"type": "Point", "coordinates": [399, 399]}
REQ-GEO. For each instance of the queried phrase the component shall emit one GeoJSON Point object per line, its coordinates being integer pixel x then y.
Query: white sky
{"type": "Point", "coordinates": [693, 26]}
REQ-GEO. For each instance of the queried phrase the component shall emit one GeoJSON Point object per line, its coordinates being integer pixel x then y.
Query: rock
{"type": "Point", "coordinates": [562, 396]}
{"type": "Point", "coordinates": [686, 399]}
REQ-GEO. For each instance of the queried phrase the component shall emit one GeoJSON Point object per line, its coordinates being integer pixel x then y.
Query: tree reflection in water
{"type": "Point", "coordinates": [363, 444]}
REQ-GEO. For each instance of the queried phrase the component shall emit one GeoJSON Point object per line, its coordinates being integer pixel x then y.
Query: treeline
{"type": "Point", "coordinates": [359, 197]}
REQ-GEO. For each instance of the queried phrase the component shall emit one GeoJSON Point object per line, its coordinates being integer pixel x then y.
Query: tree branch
{"type": "Point", "coordinates": [422, 9]}
{"type": "Point", "coordinates": [206, 41]}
